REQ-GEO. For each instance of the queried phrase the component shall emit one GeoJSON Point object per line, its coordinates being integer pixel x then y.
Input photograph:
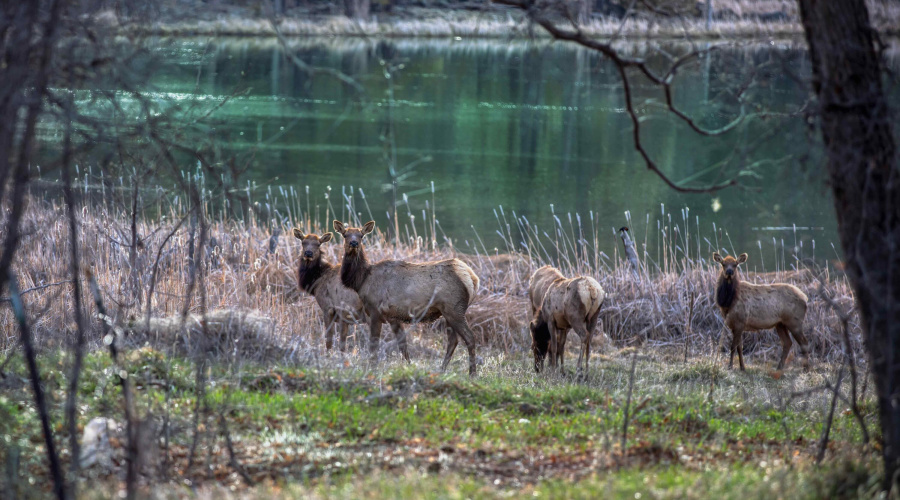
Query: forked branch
{"type": "Point", "coordinates": [536, 12]}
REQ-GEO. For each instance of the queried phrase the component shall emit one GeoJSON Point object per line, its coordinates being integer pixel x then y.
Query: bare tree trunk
{"type": "Point", "coordinates": [579, 10]}
{"type": "Point", "coordinates": [40, 400]}
{"type": "Point", "coordinates": [357, 9]}
{"type": "Point", "coordinates": [80, 336]}
{"type": "Point", "coordinates": [862, 164]}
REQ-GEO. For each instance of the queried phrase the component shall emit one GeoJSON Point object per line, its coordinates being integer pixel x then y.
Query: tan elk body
{"type": "Point", "coordinates": [340, 305]}
{"type": "Point", "coordinates": [749, 307]}
{"type": "Point", "coordinates": [397, 292]}
{"type": "Point", "coordinates": [558, 305]}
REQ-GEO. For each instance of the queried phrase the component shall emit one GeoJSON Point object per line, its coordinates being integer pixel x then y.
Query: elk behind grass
{"type": "Point", "coordinates": [557, 305]}
{"type": "Point", "coordinates": [397, 292]}
{"type": "Point", "coordinates": [340, 306]}
{"type": "Point", "coordinates": [749, 307]}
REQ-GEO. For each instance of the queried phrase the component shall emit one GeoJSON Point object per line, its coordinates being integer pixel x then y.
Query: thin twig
{"type": "Point", "coordinates": [313, 70]}
{"type": "Point", "coordinates": [153, 273]}
{"type": "Point", "coordinates": [628, 400]}
{"type": "Point", "coordinates": [849, 358]}
{"type": "Point", "coordinates": [36, 288]}
{"type": "Point", "coordinates": [826, 431]}
{"type": "Point", "coordinates": [232, 457]}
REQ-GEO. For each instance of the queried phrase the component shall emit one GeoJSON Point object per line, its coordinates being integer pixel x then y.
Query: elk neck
{"type": "Point", "coordinates": [355, 268]}
{"type": "Point", "coordinates": [540, 337]}
{"type": "Point", "coordinates": [726, 290]}
{"type": "Point", "coordinates": [311, 273]}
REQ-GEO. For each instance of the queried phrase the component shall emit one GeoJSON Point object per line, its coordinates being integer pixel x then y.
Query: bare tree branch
{"type": "Point", "coordinates": [536, 12]}
{"type": "Point", "coordinates": [80, 335]}
{"type": "Point", "coordinates": [59, 488]}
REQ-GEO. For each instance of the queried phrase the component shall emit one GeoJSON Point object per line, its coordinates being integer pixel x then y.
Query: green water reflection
{"type": "Point", "coordinates": [524, 126]}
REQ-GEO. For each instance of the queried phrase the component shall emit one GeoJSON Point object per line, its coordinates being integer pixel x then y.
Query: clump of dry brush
{"type": "Point", "coordinates": [249, 268]}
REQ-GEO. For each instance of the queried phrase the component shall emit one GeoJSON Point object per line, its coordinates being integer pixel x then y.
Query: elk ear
{"type": "Point", "coordinates": [298, 234]}
{"type": "Point", "coordinates": [717, 257]}
{"type": "Point", "coordinates": [325, 238]}
{"type": "Point", "coordinates": [368, 227]}
{"type": "Point", "coordinates": [338, 227]}
{"type": "Point", "coordinates": [742, 258]}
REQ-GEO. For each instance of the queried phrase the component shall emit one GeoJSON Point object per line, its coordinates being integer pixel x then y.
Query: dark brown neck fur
{"type": "Point", "coordinates": [540, 340]}
{"type": "Point", "coordinates": [726, 291]}
{"type": "Point", "coordinates": [311, 274]}
{"type": "Point", "coordinates": [355, 269]}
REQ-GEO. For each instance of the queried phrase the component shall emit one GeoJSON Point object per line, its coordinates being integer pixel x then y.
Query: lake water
{"type": "Point", "coordinates": [536, 128]}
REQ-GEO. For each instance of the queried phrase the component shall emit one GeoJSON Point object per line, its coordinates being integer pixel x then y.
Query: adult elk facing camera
{"type": "Point", "coordinates": [749, 307]}
{"type": "Point", "coordinates": [341, 306]}
{"type": "Point", "coordinates": [397, 292]}
{"type": "Point", "coordinates": [557, 305]}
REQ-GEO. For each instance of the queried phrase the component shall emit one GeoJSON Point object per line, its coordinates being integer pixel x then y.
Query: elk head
{"type": "Point", "coordinates": [729, 264]}
{"type": "Point", "coordinates": [311, 244]}
{"type": "Point", "coordinates": [540, 340]}
{"type": "Point", "coordinates": [353, 235]}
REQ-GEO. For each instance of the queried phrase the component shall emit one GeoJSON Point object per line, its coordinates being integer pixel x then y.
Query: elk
{"type": "Point", "coordinates": [557, 305]}
{"type": "Point", "coordinates": [749, 307]}
{"type": "Point", "coordinates": [340, 306]}
{"type": "Point", "coordinates": [397, 292]}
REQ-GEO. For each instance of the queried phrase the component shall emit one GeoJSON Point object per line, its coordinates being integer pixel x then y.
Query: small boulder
{"type": "Point", "coordinates": [96, 448]}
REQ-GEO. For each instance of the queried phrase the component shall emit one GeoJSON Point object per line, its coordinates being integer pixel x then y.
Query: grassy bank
{"type": "Point", "coordinates": [658, 414]}
{"type": "Point", "coordinates": [732, 19]}
{"type": "Point", "coordinates": [694, 430]}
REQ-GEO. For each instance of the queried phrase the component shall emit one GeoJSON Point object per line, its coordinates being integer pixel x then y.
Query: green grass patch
{"type": "Point", "coordinates": [504, 431]}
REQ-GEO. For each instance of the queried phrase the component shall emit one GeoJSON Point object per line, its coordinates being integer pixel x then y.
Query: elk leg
{"type": "Point", "coordinates": [374, 335]}
{"type": "Point", "coordinates": [740, 348]}
{"type": "Point", "coordinates": [400, 335]}
{"type": "Point", "coordinates": [345, 327]}
{"type": "Point", "coordinates": [734, 343]}
{"type": "Point", "coordinates": [797, 332]}
{"type": "Point", "coordinates": [553, 346]}
{"type": "Point", "coordinates": [329, 330]}
{"type": "Point", "coordinates": [469, 339]}
{"type": "Point", "coordinates": [585, 353]}
{"type": "Point", "coordinates": [452, 341]}
{"type": "Point", "coordinates": [458, 322]}
{"type": "Point", "coordinates": [786, 343]}
{"type": "Point", "coordinates": [561, 346]}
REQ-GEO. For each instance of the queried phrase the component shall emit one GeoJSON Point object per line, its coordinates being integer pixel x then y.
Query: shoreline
{"type": "Point", "coordinates": [429, 23]}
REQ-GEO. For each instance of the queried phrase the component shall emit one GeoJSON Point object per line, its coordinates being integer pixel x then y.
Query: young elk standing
{"type": "Point", "coordinates": [557, 305]}
{"type": "Point", "coordinates": [398, 292]}
{"type": "Point", "coordinates": [341, 306]}
{"type": "Point", "coordinates": [749, 307]}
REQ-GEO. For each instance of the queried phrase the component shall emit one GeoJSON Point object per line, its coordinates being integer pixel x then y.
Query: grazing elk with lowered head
{"type": "Point", "coordinates": [557, 305]}
{"type": "Point", "coordinates": [397, 292]}
{"type": "Point", "coordinates": [341, 306]}
{"type": "Point", "coordinates": [749, 307]}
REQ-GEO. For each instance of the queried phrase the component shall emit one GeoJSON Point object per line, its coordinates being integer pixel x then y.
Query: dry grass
{"type": "Point", "coordinates": [733, 19]}
{"type": "Point", "coordinates": [252, 268]}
